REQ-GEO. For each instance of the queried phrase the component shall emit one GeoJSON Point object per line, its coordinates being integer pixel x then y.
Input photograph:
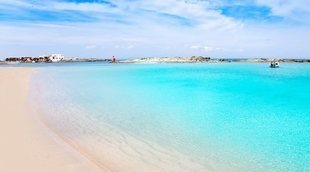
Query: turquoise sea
{"type": "Point", "coordinates": [222, 116]}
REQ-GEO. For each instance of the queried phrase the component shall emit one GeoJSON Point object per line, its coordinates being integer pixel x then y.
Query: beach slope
{"type": "Point", "coordinates": [25, 143]}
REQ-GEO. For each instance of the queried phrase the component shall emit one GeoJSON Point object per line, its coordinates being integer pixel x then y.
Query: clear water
{"type": "Point", "coordinates": [246, 117]}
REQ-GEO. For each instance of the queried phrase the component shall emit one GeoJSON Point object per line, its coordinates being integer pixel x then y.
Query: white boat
{"type": "Point", "coordinates": [274, 65]}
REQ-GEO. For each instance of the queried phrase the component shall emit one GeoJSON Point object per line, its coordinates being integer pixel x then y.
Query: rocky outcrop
{"type": "Point", "coordinates": [28, 59]}
{"type": "Point", "coordinates": [263, 60]}
{"type": "Point", "coordinates": [193, 59]}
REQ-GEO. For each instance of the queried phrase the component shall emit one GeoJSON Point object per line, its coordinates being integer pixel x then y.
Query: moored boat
{"type": "Point", "coordinates": [274, 65]}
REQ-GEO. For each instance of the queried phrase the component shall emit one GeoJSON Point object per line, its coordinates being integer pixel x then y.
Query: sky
{"type": "Point", "coordinates": [155, 28]}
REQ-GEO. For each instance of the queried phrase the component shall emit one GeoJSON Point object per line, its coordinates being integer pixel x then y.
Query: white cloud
{"type": "Point", "coordinates": [18, 3]}
{"type": "Point", "coordinates": [90, 46]}
{"type": "Point", "coordinates": [286, 7]}
{"type": "Point", "coordinates": [194, 47]}
{"type": "Point", "coordinates": [212, 48]}
{"type": "Point", "coordinates": [84, 7]}
{"type": "Point", "coordinates": [296, 10]}
{"type": "Point", "coordinates": [130, 46]}
{"type": "Point", "coordinates": [207, 48]}
{"type": "Point", "coordinates": [155, 28]}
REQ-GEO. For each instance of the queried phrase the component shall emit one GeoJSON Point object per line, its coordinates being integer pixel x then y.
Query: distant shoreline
{"type": "Point", "coordinates": [201, 59]}
{"type": "Point", "coordinates": [193, 59]}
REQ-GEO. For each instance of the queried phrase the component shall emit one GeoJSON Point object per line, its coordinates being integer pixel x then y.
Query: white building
{"type": "Point", "coordinates": [56, 57]}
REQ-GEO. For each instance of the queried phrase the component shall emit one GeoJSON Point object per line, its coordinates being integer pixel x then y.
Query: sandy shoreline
{"type": "Point", "coordinates": [43, 138]}
{"type": "Point", "coordinates": [25, 143]}
{"type": "Point", "coordinates": [29, 142]}
{"type": "Point", "coordinates": [36, 140]}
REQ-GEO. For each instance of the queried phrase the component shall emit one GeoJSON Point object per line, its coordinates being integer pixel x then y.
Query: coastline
{"type": "Point", "coordinates": [30, 142]}
{"type": "Point", "coordinates": [158, 60]}
{"type": "Point", "coordinates": [42, 129]}
{"type": "Point", "coordinates": [26, 144]}
{"type": "Point", "coordinates": [202, 59]}
{"type": "Point", "coordinates": [106, 145]}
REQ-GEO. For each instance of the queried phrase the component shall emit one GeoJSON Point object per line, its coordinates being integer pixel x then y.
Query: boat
{"type": "Point", "coordinates": [274, 65]}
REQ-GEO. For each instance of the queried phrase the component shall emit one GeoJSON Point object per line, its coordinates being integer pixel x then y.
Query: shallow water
{"type": "Point", "coordinates": [222, 117]}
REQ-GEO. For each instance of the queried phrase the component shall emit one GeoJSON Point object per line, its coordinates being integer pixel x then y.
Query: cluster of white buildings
{"type": "Point", "coordinates": [40, 59]}
{"type": "Point", "coordinates": [54, 57]}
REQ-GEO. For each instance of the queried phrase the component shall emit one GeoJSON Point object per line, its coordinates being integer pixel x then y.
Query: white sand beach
{"type": "Point", "coordinates": [29, 143]}
{"type": "Point", "coordinates": [25, 143]}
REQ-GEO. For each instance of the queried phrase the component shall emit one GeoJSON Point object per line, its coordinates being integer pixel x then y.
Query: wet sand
{"type": "Point", "coordinates": [30, 139]}
{"type": "Point", "coordinates": [26, 144]}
